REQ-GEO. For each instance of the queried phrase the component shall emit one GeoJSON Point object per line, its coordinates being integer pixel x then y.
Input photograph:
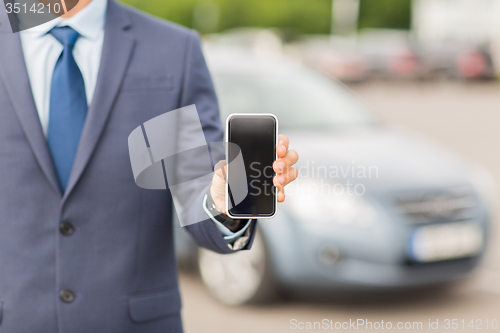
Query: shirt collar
{"type": "Point", "coordinates": [89, 22]}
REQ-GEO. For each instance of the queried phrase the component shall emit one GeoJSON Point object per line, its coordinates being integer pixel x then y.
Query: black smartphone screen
{"type": "Point", "coordinates": [255, 137]}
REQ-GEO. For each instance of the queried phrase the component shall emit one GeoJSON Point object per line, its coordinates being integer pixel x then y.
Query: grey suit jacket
{"type": "Point", "coordinates": [119, 262]}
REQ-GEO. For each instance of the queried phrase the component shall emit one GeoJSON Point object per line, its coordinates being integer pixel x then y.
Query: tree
{"type": "Point", "coordinates": [301, 16]}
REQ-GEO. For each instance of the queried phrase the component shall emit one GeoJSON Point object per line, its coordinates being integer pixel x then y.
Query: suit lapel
{"type": "Point", "coordinates": [116, 54]}
{"type": "Point", "coordinates": [15, 77]}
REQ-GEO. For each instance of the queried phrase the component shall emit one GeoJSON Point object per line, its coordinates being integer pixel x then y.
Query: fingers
{"type": "Point", "coordinates": [281, 195]}
{"type": "Point", "coordinates": [285, 178]}
{"type": "Point", "coordinates": [282, 164]}
{"type": "Point", "coordinates": [282, 147]}
{"type": "Point", "coordinates": [279, 166]}
{"type": "Point", "coordinates": [281, 180]}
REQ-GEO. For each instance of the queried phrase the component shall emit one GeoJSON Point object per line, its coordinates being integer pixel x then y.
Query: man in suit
{"type": "Point", "coordinates": [82, 248]}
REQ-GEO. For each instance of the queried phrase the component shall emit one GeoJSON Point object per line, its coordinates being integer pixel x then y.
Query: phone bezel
{"type": "Point", "coordinates": [234, 115]}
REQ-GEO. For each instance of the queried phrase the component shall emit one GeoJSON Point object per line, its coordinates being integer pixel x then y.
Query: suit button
{"type": "Point", "coordinates": [66, 228]}
{"type": "Point", "coordinates": [67, 296]}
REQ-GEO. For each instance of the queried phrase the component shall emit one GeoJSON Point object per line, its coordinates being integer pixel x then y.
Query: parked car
{"type": "Point", "coordinates": [454, 60]}
{"type": "Point", "coordinates": [392, 54]}
{"type": "Point", "coordinates": [334, 55]}
{"type": "Point", "coordinates": [374, 206]}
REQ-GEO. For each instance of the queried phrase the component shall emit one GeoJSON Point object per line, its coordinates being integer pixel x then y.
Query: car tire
{"type": "Point", "coordinates": [239, 278]}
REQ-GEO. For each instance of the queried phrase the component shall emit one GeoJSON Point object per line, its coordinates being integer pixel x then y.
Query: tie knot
{"type": "Point", "coordinates": [65, 35]}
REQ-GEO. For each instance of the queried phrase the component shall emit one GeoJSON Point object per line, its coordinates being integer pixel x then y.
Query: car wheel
{"type": "Point", "coordinates": [238, 278]}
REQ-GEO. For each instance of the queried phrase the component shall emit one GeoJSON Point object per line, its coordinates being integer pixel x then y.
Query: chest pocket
{"type": "Point", "coordinates": [141, 83]}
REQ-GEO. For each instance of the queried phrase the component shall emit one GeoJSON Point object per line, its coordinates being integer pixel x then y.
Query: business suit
{"type": "Point", "coordinates": [119, 259]}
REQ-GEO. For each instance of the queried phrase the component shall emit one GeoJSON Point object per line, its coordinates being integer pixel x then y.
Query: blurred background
{"type": "Point", "coordinates": [393, 106]}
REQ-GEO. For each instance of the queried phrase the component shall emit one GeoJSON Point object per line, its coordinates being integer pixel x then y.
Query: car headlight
{"type": "Point", "coordinates": [313, 200]}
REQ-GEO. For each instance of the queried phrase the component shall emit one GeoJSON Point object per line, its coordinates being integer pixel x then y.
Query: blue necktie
{"type": "Point", "coordinates": [68, 107]}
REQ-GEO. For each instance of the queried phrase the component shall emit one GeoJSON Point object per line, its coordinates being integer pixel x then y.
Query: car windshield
{"type": "Point", "coordinates": [300, 98]}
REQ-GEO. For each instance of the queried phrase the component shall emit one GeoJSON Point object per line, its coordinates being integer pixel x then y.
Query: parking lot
{"type": "Point", "coordinates": [463, 117]}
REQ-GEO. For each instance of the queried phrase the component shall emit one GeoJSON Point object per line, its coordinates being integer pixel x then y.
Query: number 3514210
{"type": "Point", "coordinates": [39, 8]}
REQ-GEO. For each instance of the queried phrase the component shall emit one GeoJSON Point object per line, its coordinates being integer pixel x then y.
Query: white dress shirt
{"type": "Point", "coordinates": [41, 52]}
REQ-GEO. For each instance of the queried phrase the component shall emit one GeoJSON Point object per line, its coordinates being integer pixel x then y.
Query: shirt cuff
{"type": "Point", "coordinates": [229, 236]}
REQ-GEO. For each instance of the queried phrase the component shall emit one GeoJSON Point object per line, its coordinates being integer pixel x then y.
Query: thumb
{"type": "Point", "coordinates": [221, 170]}
{"type": "Point", "coordinates": [218, 189]}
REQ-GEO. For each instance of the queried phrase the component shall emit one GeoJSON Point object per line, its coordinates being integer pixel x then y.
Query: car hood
{"type": "Point", "coordinates": [383, 159]}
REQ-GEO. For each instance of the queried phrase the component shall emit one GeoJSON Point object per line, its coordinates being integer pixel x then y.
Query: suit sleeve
{"type": "Point", "coordinates": [198, 89]}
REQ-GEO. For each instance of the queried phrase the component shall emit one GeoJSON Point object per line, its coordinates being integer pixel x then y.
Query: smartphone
{"type": "Point", "coordinates": [250, 153]}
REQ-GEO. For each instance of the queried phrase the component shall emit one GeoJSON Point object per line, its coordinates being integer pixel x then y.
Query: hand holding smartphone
{"type": "Point", "coordinates": [250, 153]}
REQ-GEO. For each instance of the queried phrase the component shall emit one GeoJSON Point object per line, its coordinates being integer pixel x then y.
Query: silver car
{"type": "Point", "coordinates": [374, 206]}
